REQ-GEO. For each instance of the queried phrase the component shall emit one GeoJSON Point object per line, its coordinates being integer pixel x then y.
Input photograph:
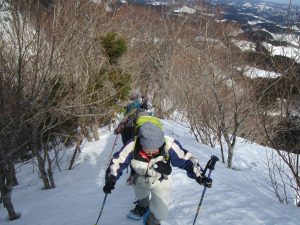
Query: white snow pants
{"type": "Point", "coordinates": [159, 193]}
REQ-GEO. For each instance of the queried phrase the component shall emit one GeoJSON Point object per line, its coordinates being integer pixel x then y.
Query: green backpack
{"type": "Point", "coordinates": [140, 120]}
{"type": "Point", "coordinates": [144, 119]}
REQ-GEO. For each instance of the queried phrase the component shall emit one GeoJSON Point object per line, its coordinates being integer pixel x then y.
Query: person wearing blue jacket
{"type": "Point", "coordinates": [126, 127]}
{"type": "Point", "coordinates": [152, 156]}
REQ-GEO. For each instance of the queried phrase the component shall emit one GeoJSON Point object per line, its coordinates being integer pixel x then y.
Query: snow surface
{"type": "Point", "coordinates": [244, 45]}
{"type": "Point", "coordinates": [253, 72]}
{"type": "Point", "coordinates": [291, 38]}
{"type": "Point", "coordinates": [253, 22]}
{"type": "Point", "coordinates": [248, 5]}
{"type": "Point", "coordinates": [185, 9]}
{"type": "Point", "coordinates": [290, 52]}
{"type": "Point", "coordinates": [263, 6]}
{"type": "Point", "coordinates": [239, 196]}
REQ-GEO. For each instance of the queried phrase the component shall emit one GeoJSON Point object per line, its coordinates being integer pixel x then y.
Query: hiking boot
{"type": "Point", "coordinates": [138, 212]}
{"type": "Point", "coordinates": [150, 219]}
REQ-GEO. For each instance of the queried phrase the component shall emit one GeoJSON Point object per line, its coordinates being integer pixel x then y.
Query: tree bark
{"type": "Point", "coordinates": [230, 156]}
{"type": "Point", "coordinates": [12, 171]}
{"type": "Point", "coordinates": [41, 161]}
{"type": "Point", "coordinates": [6, 190]}
{"type": "Point", "coordinates": [77, 149]}
{"type": "Point", "coordinates": [95, 130]}
{"type": "Point", "coordinates": [86, 133]}
{"type": "Point", "coordinates": [50, 172]}
{"type": "Point", "coordinates": [41, 165]}
{"type": "Point", "coordinates": [12, 214]}
{"type": "Point", "coordinates": [221, 146]}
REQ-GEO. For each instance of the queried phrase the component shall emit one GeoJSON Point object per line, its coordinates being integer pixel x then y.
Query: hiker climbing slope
{"type": "Point", "coordinates": [152, 156]}
{"type": "Point", "coordinates": [126, 126]}
{"type": "Point", "coordinates": [133, 110]}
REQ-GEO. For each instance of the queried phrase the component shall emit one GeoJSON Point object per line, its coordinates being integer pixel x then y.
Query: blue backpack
{"type": "Point", "coordinates": [134, 106]}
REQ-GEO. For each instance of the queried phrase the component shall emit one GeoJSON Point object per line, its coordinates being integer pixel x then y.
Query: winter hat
{"type": "Point", "coordinates": [151, 137]}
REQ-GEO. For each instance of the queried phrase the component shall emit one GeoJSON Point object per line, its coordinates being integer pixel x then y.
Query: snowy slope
{"type": "Point", "coordinates": [239, 196]}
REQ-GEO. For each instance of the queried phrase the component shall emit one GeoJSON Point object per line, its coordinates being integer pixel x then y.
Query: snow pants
{"type": "Point", "coordinates": [158, 192]}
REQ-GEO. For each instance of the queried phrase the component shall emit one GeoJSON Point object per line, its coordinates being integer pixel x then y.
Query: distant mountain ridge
{"type": "Point", "coordinates": [243, 11]}
{"type": "Point", "coordinates": [276, 17]}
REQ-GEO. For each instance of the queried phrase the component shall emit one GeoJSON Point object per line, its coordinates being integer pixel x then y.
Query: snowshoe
{"type": "Point", "coordinates": [145, 217]}
{"type": "Point", "coordinates": [149, 219]}
{"type": "Point", "coordinates": [137, 213]}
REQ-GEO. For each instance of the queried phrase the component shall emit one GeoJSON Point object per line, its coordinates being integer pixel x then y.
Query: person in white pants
{"type": "Point", "coordinates": [150, 157]}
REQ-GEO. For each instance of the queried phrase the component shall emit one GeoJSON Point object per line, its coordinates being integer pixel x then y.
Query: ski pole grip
{"type": "Point", "coordinates": [213, 161]}
{"type": "Point", "coordinates": [210, 164]}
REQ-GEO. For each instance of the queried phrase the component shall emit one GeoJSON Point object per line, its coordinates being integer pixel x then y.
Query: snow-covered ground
{"type": "Point", "coordinates": [185, 9]}
{"type": "Point", "coordinates": [253, 72]}
{"type": "Point", "coordinates": [244, 45]}
{"type": "Point", "coordinates": [290, 38]}
{"type": "Point", "coordinates": [239, 196]}
{"type": "Point", "coordinates": [290, 52]}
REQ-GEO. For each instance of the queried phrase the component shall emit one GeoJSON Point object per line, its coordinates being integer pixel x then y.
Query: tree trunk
{"type": "Point", "coordinates": [222, 149]}
{"type": "Point", "coordinates": [51, 178]}
{"type": "Point", "coordinates": [41, 165]}
{"type": "Point", "coordinates": [41, 161]}
{"type": "Point", "coordinates": [95, 130]}
{"type": "Point", "coordinates": [50, 172]}
{"type": "Point", "coordinates": [12, 171]}
{"type": "Point", "coordinates": [157, 102]}
{"type": "Point", "coordinates": [230, 147]}
{"type": "Point", "coordinates": [230, 156]}
{"type": "Point", "coordinates": [57, 160]}
{"type": "Point", "coordinates": [5, 188]}
{"type": "Point", "coordinates": [77, 149]}
{"type": "Point", "coordinates": [9, 206]}
{"type": "Point", "coordinates": [86, 133]}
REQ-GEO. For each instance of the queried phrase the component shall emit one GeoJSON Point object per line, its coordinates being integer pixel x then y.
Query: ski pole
{"type": "Point", "coordinates": [211, 166]}
{"type": "Point", "coordinates": [113, 147]}
{"type": "Point", "coordinates": [103, 203]}
{"type": "Point", "coordinates": [104, 200]}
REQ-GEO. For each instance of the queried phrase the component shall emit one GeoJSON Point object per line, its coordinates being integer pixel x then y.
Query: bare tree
{"type": "Point", "coordinates": [214, 94]}
{"type": "Point", "coordinates": [49, 60]}
{"type": "Point", "coordinates": [278, 123]}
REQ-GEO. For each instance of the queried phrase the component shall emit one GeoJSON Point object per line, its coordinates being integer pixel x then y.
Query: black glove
{"type": "Point", "coordinates": [205, 181]}
{"type": "Point", "coordinates": [163, 167]}
{"type": "Point", "coordinates": [119, 129]}
{"type": "Point", "coordinates": [109, 184]}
